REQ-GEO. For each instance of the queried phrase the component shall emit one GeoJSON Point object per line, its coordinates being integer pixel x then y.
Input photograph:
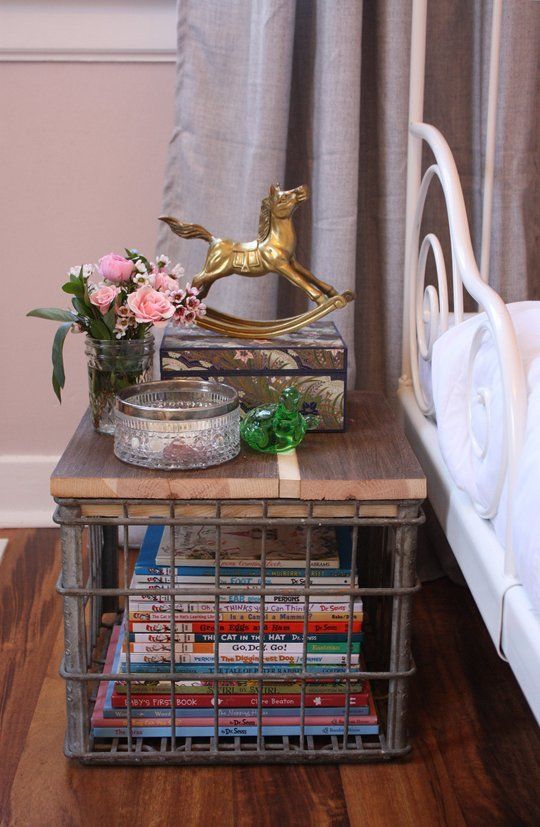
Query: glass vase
{"type": "Point", "coordinates": [113, 364]}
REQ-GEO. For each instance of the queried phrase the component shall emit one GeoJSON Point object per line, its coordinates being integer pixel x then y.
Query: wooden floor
{"type": "Point", "coordinates": [476, 758]}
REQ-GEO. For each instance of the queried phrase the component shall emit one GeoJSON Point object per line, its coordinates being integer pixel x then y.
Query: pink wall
{"type": "Point", "coordinates": [82, 149]}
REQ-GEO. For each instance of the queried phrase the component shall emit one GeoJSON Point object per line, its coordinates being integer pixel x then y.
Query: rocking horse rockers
{"type": "Point", "coordinates": [272, 252]}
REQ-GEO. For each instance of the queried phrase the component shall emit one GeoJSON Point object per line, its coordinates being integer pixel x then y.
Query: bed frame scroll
{"type": "Point", "coordinates": [426, 308]}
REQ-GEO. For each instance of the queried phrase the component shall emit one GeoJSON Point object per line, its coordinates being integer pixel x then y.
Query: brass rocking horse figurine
{"type": "Point", "coordinates": [272, 252]}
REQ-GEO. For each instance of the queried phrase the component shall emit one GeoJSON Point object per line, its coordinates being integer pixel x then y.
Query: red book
{"type": "Point", "coordinates": [147, 701]}
{"type": "Point", "coordinates": [207, 627]}
{"type": "Point", "coordinates": [354, 720]}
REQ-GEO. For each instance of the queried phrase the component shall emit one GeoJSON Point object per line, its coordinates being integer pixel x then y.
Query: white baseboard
{"type": "Point", "coordinates": [25, 501]}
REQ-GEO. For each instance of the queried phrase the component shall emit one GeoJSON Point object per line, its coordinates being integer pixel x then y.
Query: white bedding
{"type": "Point", "coordinates": [475, 475]}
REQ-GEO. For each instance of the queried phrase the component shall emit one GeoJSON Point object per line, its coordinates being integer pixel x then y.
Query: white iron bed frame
{"type": "Point", "coordinates": [487, 567]}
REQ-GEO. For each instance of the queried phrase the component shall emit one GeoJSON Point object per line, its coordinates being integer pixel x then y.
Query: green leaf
{"type": "Point", "coordinates": [56, 387]}
{"type": "Point", "coordinates": [82, 308]}
{"type": "Point", "coordinates": [142, 330]}
{"type": "Point", "coordinates": [58, 375]}
{"type": "Point", "coordinates": [99, 330]}
{"type": "Point", "coordinates": [52, 313]}
{"type": "Point", "coordinates": [110, 318]}
{"type": "Point", "coordinates": [74, 287]}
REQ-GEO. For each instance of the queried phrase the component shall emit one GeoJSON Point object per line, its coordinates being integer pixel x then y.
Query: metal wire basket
{"type": "Point", "coordinates": [178, 424]}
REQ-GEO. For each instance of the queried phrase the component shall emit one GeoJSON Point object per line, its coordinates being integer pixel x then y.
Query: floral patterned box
{"type": "Point", "coordinates": [313, 359]}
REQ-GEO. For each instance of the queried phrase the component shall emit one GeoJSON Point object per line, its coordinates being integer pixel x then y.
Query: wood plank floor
{"type": "Point", "coordinates": [476, 758]}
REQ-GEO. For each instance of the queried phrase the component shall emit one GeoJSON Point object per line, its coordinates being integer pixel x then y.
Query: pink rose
{"type": "Point", "coordinates": [148, 305]}
{"type": "Point", "coordinates": [164, 282]}
{"type": "Point", "coordinates": [115, 268]}
{"type": "Point", "coordinates": [103, 297]}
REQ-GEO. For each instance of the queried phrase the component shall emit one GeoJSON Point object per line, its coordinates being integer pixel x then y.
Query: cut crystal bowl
{"type": "Point", "coordinates": [177, 424]}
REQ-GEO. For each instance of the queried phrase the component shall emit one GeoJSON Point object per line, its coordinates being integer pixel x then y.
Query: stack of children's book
{"type": "Point", "coordinates": [293, 640]}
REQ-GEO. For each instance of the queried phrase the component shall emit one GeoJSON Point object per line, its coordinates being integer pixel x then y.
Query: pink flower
{"type": "Point", "coordinates": [183, 316]}
{"type": "Point", "coordinates": [192, 303]}
{"type": "Point", "coordinates": [115, 268]}
{"type": "Point", "coordinates": [179, 295]}
{"type": "Point", "coordinates": [103, 297]}
{"type": "Point", "coordinates": [164, 282]}
{"type": "Point", "coordinates": [148, 305]}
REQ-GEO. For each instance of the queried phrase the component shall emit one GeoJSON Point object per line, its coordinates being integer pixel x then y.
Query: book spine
{"type": "Point", "coordinates": [193, 701]}
{"type": "Point", "coordinates": [227, 607]}
{"type": "Point", "coordinates": [237, 658]}
{"type": "Point", "coordinates": [269, 715]}
{"type": "Point", "coordinates": [318, 685]}
{"type": "Point", "coordinates": [231, 648]}
{"type": "Point", "coordinates": [243, 597]}
{"type": "Point", "coordinates": [189, 637]}
{"type": "Point", "coordinates": [238, 668]}
{"type": "Point", "coordinates": [206, 732]}
{"type": "Point", "coordinates": [248, 720]}
{"type": "Point", "coordinates": [164, 569]}
{"type": "Point", "coordinates": [237, 580]}
{"type": "Point", "coordinates": [139, 612]}
{"type": "Point", "coordinates": [152, 623]}
{"type": "Point", "coordinates": [208, 572]}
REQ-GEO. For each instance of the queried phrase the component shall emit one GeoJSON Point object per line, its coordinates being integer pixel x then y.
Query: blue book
{"type": "Point", "coordinates": [246, 669]}
{"type": "Point", "coordinates": [208, 712]}
{"type": "Point", "coordinates": [207, 732]}
{"type": "Point", "coordinates": [237, 571]}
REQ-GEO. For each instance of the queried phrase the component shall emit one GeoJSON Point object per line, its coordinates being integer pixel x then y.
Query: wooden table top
{"type": "Point", "coordinates": [371, 461]}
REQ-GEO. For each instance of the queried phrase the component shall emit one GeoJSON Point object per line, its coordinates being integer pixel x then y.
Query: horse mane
{"type": "Point", "coordinates": [264, 220]}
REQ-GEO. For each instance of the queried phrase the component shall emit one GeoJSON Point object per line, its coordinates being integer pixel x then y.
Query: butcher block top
{"type": "Point", "coordinates": [371, 461]}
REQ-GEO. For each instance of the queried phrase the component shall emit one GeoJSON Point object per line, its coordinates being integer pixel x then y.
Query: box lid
{"type": "Point", "coordinates": [318, 346]}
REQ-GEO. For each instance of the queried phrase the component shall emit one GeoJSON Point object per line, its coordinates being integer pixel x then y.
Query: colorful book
{"type": "Point", "coordinates": [280, 575]}
{"type": "Point", "coordinates": [207, 714]}
{"type": "Point", "coordinates": [141, 658]}
{"type": "Point", "coordinates": [187, 637]}
{"type": "Point", "coordinates": [159, 623]}
{"type": "Point", "coordinates": [191, 726]}
{"type": "Point", "coordinates": [226, 732]}
{"type": "Point", "coordinates": [297, 609]}
{"type": "Point", "coordinates": [241, 547]}
{"type": "Point", "coordinates": [164, 649]}
{"type": "Point", "coordinates": [232, 668]}
{"type": "Point", "coordinates": [200, 702]}
{"type": "Point", "coordinates": [163, 612]}
{"type": "Point", "coordinates": [270, 689]}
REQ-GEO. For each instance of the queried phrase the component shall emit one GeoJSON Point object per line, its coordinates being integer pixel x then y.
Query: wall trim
{"type": "Point", "coordinates": [25, 501]}
{"type": "Point", "coordinates": [87, 56]}
{"type": "Point", "coordinates": [88, 31]}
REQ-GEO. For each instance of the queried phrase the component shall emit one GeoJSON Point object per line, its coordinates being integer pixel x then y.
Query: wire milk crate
{"type": "Point", "coordinates": [363, 489]}
{"type": "Point", "coordinates": [382, 554]}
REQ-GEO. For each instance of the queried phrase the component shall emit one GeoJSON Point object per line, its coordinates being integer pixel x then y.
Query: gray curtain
{"type": "Point", "coordinates": [316, 92]}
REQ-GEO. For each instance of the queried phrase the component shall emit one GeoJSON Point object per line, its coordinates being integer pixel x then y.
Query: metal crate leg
{"type": "Point", "coordinates": [400, 641]}
{"type": "Point", "coordinates": [109, 565]}
{"type": "Point", "coordinates": [74, 632]}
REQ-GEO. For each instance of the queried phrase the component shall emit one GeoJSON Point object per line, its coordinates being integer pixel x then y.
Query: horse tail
{"type": "Point", "coordinates": [186, 230]}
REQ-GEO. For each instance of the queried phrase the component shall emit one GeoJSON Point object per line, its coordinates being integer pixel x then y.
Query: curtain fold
{"type": "Point", "coordinates": [316, 92]}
